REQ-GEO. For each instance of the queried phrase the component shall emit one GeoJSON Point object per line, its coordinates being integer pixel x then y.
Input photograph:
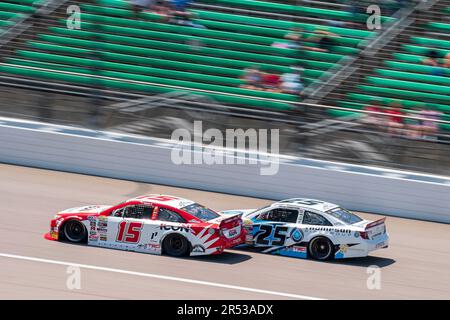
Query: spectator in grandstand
{"type": "Point", "coordinates": [253, 78]}
{"type": "Point", "coordinates": [271, 82]}
{"type": "Point", "coordinates": [291, 82]}
{"type": "Point", "coordinates": [394, 115]}
{"type": "Point", "coordinates": [429, 125]}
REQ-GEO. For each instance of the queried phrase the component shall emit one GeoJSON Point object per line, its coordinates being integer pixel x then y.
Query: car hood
{"type": "Point", "coordinates": [91, 209]}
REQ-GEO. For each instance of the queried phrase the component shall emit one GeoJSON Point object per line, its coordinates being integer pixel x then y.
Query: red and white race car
{"type": "Point", "coordinates": [151, 224]}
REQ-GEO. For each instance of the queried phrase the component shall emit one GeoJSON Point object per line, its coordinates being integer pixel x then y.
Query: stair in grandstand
{"type": "Point", "coordinates": [398, 73]}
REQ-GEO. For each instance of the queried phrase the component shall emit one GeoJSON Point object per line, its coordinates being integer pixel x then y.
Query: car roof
{"type": "Point", "coordinates": [162, 199]}
{"type": "Point", "coordinates": [308, 204]}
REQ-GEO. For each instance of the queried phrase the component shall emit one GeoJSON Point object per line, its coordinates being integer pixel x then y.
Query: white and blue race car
{"type": "Point", "coordinates": [311, 228]}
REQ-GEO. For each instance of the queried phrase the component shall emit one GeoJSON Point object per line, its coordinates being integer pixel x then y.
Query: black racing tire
{"type": "Point", "coordinates": [74, 231]}
{"type": "Point", "coordinates": [176, 245]}
{"type": "Point", "coordinates": [320, 248]}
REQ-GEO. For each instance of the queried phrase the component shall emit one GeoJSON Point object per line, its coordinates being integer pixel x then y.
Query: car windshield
{"type": "Point", "coordinates": [344, 215]}
{"type": "Point", "coordinates": [200, 212]}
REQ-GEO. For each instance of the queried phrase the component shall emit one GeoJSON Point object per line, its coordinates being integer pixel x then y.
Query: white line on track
{"type": "Point", "coordinates": [157, 276]}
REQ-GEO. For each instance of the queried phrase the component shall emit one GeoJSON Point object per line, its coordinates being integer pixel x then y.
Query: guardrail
{"type": "Point", "coordinates": [362, 188]}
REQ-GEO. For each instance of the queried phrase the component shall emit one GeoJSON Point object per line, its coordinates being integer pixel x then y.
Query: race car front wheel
{"type": "Point", "coordinates": [75, 231]}
{"type": "Point", "coordinates": [176, 245]}
{"type": "Point", "coordinates": [320, 248]}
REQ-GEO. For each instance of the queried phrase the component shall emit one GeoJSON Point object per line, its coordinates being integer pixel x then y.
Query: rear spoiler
{"type": "Point", "coordinates": [230, 220]}
{"type": "Point", "coordinates": [375, 223]}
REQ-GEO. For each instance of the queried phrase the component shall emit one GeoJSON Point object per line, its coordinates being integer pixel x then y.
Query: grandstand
{"type": "Point", "coordinates": [119, 55]}
{"type": "Point", "coordinates": [144, 50]}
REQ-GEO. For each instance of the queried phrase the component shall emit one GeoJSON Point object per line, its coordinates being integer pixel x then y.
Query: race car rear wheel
{"type": "Point", "coordinates": [176, 245]}
{"type": "Point", "coordinates": [75, 231]}
{"type": "Point", "coordinates": [320, 248]}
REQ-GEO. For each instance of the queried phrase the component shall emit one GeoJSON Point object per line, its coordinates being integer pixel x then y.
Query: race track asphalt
{"type": "Point", "coordinates": [415, 266]}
